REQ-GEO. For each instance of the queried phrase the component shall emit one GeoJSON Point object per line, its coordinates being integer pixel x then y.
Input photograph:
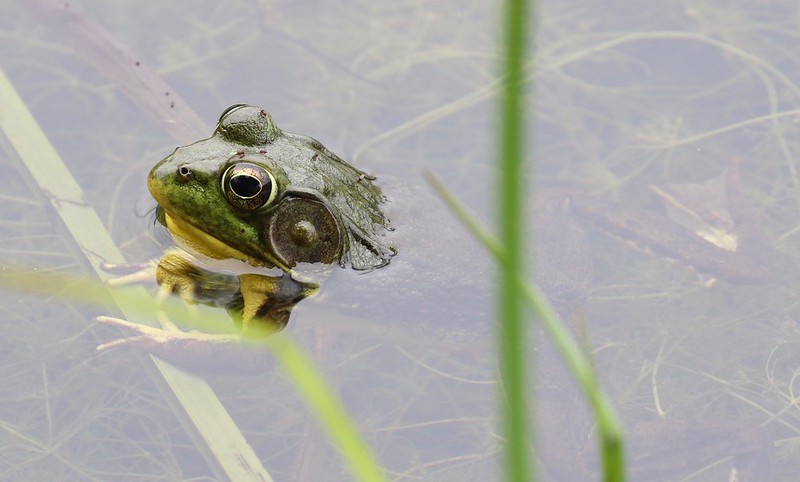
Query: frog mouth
{"type": "Point", "coordinates": [195, 240]}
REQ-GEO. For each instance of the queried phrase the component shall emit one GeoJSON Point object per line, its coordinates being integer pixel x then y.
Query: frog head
{"type": "Point", "coordinates": [270, 198]}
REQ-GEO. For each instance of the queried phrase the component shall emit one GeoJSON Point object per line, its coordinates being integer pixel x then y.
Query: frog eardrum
{"type": "Point", "coordinates": [302, 230]}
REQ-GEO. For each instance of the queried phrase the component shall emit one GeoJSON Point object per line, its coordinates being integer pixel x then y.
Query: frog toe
{"type": "Point", "coordinates": [146, 337]}
{"type": "Point", "coordinates": [135, 273]}
{"type": "Point", "coordinates": [197, 352]}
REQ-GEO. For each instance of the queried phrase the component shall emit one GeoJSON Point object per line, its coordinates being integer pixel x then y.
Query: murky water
{"type": "Point", "coordinates": [627, 96]}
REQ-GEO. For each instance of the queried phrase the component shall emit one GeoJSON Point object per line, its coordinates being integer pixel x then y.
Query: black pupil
{"type": "Point", "coordinates": [246, 186]}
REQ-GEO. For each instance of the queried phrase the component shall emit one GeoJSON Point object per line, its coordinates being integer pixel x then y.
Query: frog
{"type": "Point", "coordinates": [270, 201]}
{"type": "Point", "coordinates": [269, 207]}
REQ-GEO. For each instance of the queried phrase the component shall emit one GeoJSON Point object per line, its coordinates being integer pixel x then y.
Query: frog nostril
{"type": "Point", "coordinates": [184, 172]}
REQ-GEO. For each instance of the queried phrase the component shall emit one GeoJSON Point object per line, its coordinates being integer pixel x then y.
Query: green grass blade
{"type": "Point", "coordinates": [328, 408]}
{"type": "Point", "coordinates": [204, 416]}
{"type": "Point", "coordinates": [609, 427]}
{"type": "Point", "coordinates": [308, 381]}
{"type": "Point", "coordinates": [510, 189]}
{"type": "Point", "coordinates": [201, 412]}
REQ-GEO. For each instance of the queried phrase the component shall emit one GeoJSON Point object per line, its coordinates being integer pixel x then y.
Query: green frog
{"type": "Point", "coordinates": [276, 211]}
{"type": "Point", "coordinates": [269, 208]}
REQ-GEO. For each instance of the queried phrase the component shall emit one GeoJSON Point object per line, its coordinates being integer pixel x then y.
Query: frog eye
{"type": "Point", "coordinates": [229, 110]}
{"type": "Point", "coordinates": [247, 125]}
{"type": "Point", "coordinates": [248, 186]}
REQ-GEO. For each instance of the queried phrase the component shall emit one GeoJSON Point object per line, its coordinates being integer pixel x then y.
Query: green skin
{"type": "Point", "coordinates": [300, 165]}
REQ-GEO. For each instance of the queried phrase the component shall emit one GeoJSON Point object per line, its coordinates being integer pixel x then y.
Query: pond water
{"type": "Point", "coordinates": [628, 96]}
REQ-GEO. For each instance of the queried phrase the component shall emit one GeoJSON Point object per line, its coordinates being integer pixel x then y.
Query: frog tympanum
{"type": "Point", "coordinates": [262, 199]}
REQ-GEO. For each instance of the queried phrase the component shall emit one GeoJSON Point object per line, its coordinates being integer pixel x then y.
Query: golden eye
{"type": "Point", "coordinates": [248, 186]}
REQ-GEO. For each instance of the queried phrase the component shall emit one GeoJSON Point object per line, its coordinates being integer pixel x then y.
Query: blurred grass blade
{"type": "Point", "coordinates": [319, 396]}
{"type": "Point", "coordinates": [201, 412]}
{"type": "Point", "coordinates": [609, 427]}
{"type": "Point", "coordinates": [510, 201]}
{"type": "Point", "coordinates": [327, 407]}
{"type": "Point", "coordinates": [204, 417]}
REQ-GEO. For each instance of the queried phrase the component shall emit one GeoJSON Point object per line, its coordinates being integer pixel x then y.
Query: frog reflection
{"type": "Point", "coordinates": [266, 199]}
